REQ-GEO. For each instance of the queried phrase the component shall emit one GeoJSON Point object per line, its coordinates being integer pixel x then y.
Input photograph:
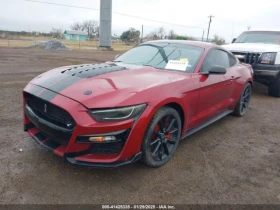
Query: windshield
{"type": "Point", "coordinates": [164, 56]}
{"type": "Point", "coordinates": [259, 37]}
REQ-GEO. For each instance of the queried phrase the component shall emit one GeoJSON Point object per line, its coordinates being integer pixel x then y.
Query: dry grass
{"type": "Point", "coordinates": [73, 45]}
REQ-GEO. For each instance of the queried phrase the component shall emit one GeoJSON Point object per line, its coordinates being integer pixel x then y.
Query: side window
{"type": "Point", "coordinates": [216, 57]}
{"type": "Point", "coordinates": [232, 60]}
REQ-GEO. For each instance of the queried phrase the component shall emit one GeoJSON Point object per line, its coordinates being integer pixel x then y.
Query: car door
{"type": "Point", "coordinates": [231, 77]}
{"type": "Point", "coordinates": [215, 90]}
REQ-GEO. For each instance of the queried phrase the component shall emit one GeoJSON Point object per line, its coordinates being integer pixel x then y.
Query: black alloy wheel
{"type": "Point", "coordinates": [244, 101]}
{"type": "Point", "coordinates": [162, 137]}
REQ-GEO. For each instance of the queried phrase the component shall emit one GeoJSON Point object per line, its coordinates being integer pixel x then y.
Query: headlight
{"type": "Point", "coordinates": [117, 114]}
{"type": "Point", "coordinates": [268, 58]}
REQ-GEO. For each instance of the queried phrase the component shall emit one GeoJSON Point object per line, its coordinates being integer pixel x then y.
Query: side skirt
{"type": "Point", "coordinates": [193, 130]}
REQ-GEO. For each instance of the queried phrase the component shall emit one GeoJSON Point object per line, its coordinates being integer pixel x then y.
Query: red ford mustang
{"type": "Point", "coordinates": [137, 107]}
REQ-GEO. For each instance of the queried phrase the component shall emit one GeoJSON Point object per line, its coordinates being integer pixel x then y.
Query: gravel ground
{"type": "Point", "coordinates": [233, 161]}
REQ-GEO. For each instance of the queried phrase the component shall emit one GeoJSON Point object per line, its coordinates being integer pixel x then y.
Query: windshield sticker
{"type": "Point", "coordinates": [177, 65]}
{"type": "Point", "coordinates": [184, 60]}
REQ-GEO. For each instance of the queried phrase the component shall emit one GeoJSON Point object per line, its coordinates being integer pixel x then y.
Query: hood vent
{"type": "Point", "coordinates": [92, 70]}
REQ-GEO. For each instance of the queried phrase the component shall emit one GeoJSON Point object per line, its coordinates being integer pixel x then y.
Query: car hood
{"type": "Point", "coordinates": [252, 47]}
{"type": "Point", "coordinates": [105, 85]}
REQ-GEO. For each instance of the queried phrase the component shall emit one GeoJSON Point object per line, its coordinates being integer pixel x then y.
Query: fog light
{"type": "Point", "coordinates": [102, 138]}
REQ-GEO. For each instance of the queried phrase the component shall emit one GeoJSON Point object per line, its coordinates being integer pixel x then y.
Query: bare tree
{"type": "Point", "coordinates": [157, 34]}
{"type": "Point", "coordinates": [91, 27]}
{"type": "Point", "coordinates": [77, 26]}
{"type": "Point", "coordinates": [153, 35]}
{"type": "Point", "coordinates": [97, 31]}
{"type": "Point", "coordinates": [57, 33]}
{"type": "Point", "coordinates": [172, 34]}
{"type": "Point", "coordinates": [161, 32]}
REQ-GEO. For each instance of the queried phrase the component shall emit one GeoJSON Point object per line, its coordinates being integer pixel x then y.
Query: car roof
{"type": "Point", "coordinates": [205, 45]}
{"type": "Point", "coordinates": [261, 31]}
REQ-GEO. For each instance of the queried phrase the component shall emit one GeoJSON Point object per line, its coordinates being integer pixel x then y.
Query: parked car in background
{"type": "Point", "coordinates": [138, 106]}
{"type": "Point", "coordinates": [261, 49]}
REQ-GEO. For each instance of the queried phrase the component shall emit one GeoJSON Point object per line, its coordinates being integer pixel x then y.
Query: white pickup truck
{"type": "Point", "coordinates": [261, 49]}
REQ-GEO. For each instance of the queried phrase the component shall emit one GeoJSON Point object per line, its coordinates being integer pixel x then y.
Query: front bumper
{"type": "Point", "coordinates": [265, 73]}
{"type": "Point", "coordinates": [85, 153]}
{"type": "Point", "coordinates": [71, 157]}
{"type": "Point", "coordinates": [135, 158]}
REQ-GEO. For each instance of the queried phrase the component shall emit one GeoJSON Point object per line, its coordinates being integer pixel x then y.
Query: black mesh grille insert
{"type": "Point", "coordinates": [51, 113]}
{"type": "Point", "coordinates": [108, 148]}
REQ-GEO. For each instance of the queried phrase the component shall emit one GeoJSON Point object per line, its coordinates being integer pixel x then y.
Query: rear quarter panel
{"type": "Point", "coordinates": [244, 75]}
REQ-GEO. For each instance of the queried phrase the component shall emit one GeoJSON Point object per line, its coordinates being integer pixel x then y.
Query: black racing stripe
{"type": "Point", "coordinates": [64, 83]}
{"type": "Point", "coordinates": [62, 80]}
{"type": "Point", "coordinates": [35, 90]}
{"type": "Point", "coordinates": [47, 95]}
{"type": "Point", "coordinates": [49, 81]}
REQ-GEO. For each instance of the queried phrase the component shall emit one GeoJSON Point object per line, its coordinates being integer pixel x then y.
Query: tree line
{"type": "Point", "coordinates": [91, 27]}
{"type": "Point", "coordinates": [54, 33]}
{"type": "Point", "coordinates": [133, 35]}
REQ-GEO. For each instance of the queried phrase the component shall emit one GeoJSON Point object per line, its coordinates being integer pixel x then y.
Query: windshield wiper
{"type": "Point", "coordinates": [149, 66]}
{"type": "Point", "coordinates": [117, 61]}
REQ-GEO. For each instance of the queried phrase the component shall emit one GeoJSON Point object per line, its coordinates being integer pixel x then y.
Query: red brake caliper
{"type": "Point", "coordinates": [156, 130]}
{"type": "Point", "coordinates": [168, 136]}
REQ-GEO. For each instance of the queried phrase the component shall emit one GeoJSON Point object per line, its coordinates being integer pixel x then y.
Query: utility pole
{"type": "Point", "coordinates": [79, 42]}
{"type": "Point", "coordinates": [105, 24]}
{"type": "Point", "coordinates": [210, 20]}
{"type": "Point", "coordinates": [202, 35]}
{"type": "Point", "coordinates": [142, 34]}
{"type": "Point", "coordinates": [8, 38]}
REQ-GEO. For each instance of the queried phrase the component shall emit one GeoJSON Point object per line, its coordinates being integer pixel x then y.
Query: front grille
{"type": "Point", "coordinates": [50, 112]}
{"type": "Point", "coordinates": [248, 57]}
{"type": "Point", "coordinates": [107, 148]}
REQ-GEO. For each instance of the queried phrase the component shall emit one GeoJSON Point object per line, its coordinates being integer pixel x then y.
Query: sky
{"type": "Point", "coordinates": [231, 17]}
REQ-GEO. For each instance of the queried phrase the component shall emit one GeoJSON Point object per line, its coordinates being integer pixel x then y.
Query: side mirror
{"type": "Point", "coordinates": [233, 40]}
{"type": "Point", "coordinates": [216, 70]}
{"type": "Point", "coordinates": [117, 56]}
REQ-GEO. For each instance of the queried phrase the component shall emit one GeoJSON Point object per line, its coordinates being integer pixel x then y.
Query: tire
{"type": "Point", "coordinates": [244, 101]}
{"type": "Point", "coordinates": [162, 137]}
{"type": "Point", "coordinates": [274, 88]}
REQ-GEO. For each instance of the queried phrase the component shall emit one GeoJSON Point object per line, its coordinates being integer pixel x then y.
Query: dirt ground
{"type": "Point", "coordinates": [233, 161]}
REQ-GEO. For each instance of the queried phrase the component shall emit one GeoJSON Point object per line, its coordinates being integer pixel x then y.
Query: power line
{"type": "Point", "coordinates": [118, 13]}
{"type": "Point", "coordinates": [64, 5]}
